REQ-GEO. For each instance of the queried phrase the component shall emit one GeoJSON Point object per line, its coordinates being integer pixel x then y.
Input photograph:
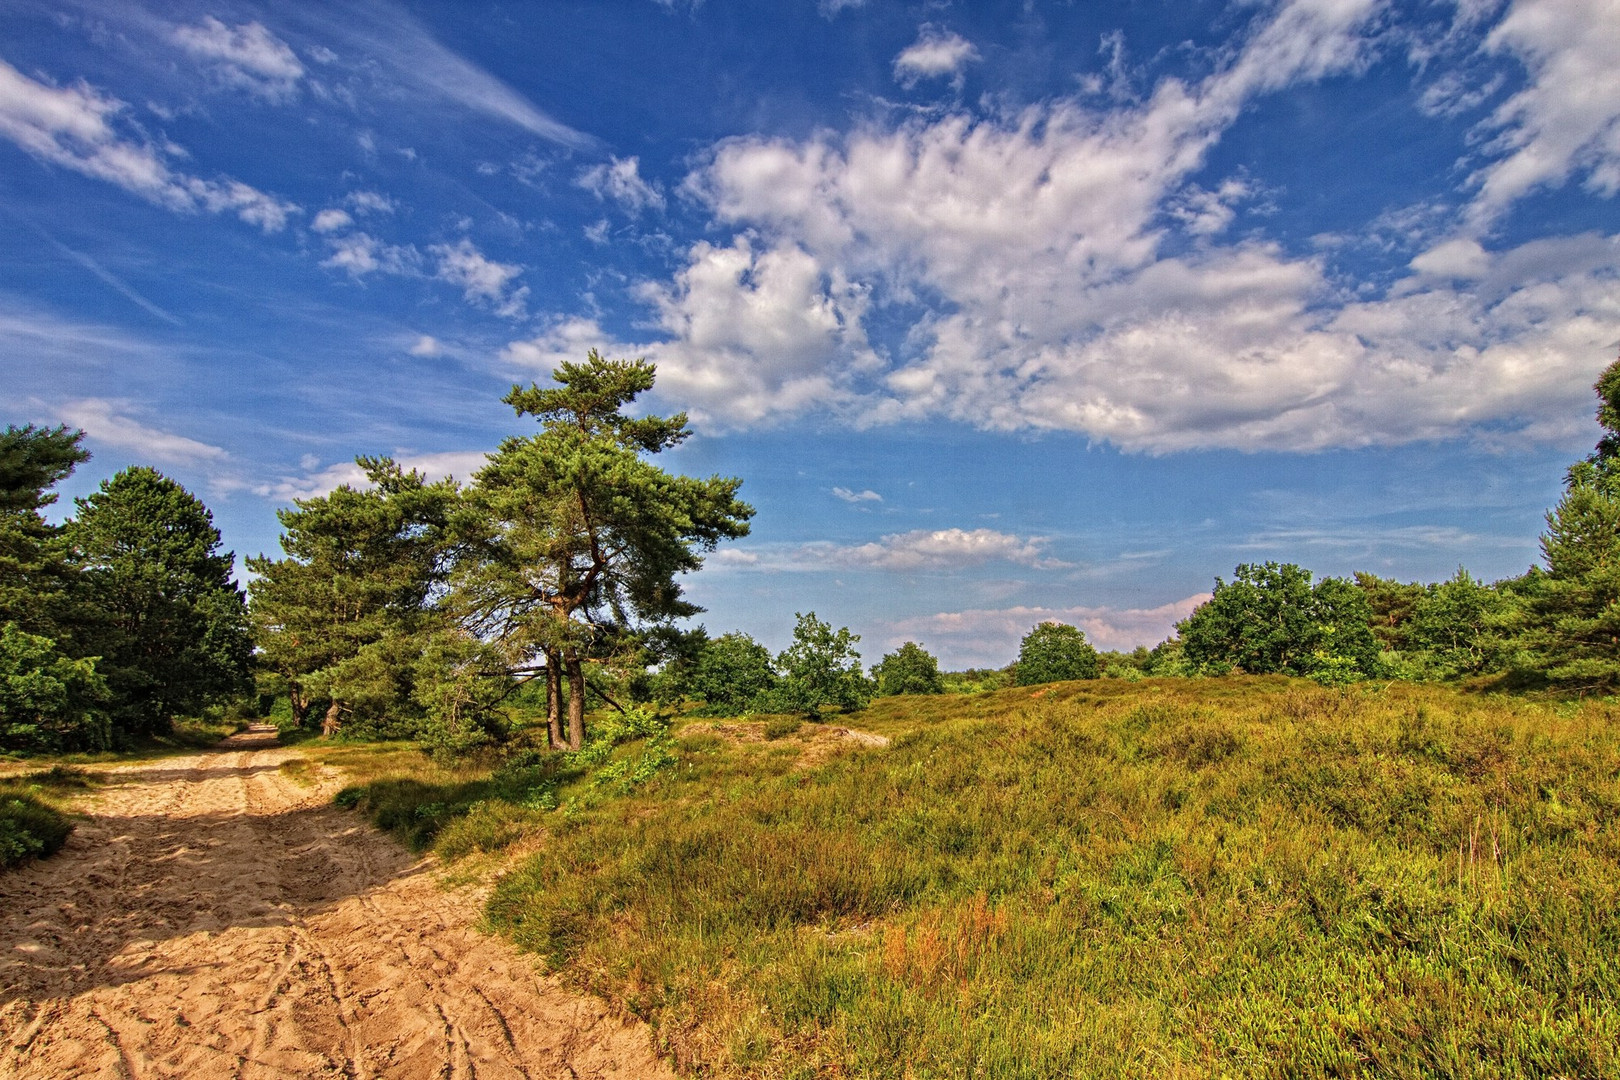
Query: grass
{"type": "Point", "coordinates": [1224, 877]}
{"type": "Point", "coordinates": [32, 822]}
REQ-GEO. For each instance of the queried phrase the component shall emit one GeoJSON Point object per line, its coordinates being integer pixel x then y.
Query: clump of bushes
{"type": "Point", "coordinates": [30, 826]}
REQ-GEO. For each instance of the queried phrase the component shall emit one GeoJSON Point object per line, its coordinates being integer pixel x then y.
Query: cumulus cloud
{"type": "Point", "coordinates": [1028, 255]}
{"type": "Point", "coordinates": [108, 421]}
{"type": "Point", "coordinates": [990, 637]}
{"type": "Point", "coordinates": [426, 346]}
{"type": "Point", "coordinates": [1566, 119]}
{"type": "Point", "coordinates": [481, 279]}
{"type": "Point", "coordinates": [755, 332]}
{"type": "Point", "coordinates": [74, 127]}
{"type": "Point", "coordinates": [856, 496]}
{"type": "Point", "coordinates": [936, 53]}
{"type": "Point", "coordinates": [620, 180]}
{"type": "Point", "coordinates": [564, 340]}
{"type": "Point", "coordinates": [247, 56]}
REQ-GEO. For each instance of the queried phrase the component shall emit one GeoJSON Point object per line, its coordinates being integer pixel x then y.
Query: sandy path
{"type": "Point", "coordinates": [216, 919]}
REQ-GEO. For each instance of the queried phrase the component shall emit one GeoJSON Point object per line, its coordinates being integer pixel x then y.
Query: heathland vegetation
{"type": "Point", "coordinates": [1330, 827]}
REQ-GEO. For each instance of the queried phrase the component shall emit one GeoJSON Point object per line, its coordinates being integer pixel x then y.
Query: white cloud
{"type": "Point", "coordinates": [856, 496]}
{"type": "Point", "coordinates": [1028, 254]}
{"type": "Point", "coordinates": [480, 278]}
{"type": "Point", "coordinates": [246, 56]}
{"type": "Point", "coordinates": [361, 253]}
{"type": "Point", "coordinates": [1462, 258]}
{"type": "Point", "coordinates": [460, 465]}
{"type": "Point", "coordinates": [920, 550]}
{"type": "Point", "coordinates": [620, 180]}
{"type": "Point", "coordinates": [563, 340]}
{"type": "Point", "coordinates": [426, 346]}
{"type": "Point", "coordinates": [936, 53]}
{"type": "Point", "coordinates": [830, 8]}
{"type": "Point", "coordinates": [371, 202]}
{"type": "Point", "coordinates": [73, 128]}
{"type": "Point", "coordinates": [1566, 119]}
{"type": "Point", "coordinates": [395, 41]}
{"type": "Point", "coordinates": [331, 220]}
{"type": "Point", "coordinates": [751, 332]}
{"type": "Point", "coordinates": [106, 421]}
{"type": "Point", "coordinates": [990, 637]}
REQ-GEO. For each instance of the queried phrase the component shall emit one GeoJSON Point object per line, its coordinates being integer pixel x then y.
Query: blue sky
{"type": "Point", "coordinates": [1003, 312]}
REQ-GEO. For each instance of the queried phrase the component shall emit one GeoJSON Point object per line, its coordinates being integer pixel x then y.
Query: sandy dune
{"type": "Point", "coordinates": [216, 919]}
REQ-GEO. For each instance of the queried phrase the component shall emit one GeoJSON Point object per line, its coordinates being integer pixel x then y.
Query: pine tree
{"type": "Point", "coordinates": [344, 617]}
{"type": "Point", "coordinates": [1573, 618]}
{"type": "Point", "coordinates": [171, 625]}
{"type": "Point", "coordinates": [580, 539]}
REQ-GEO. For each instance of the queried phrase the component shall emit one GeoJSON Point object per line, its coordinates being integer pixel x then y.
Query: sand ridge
{"type": "Point", "coordinates": [213, 918]}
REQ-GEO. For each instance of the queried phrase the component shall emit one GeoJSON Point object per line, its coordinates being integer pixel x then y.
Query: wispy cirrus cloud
{"type": "Point", "coordinates": [1565, 121]}
{"type": "Point", "coordinates": [111, 422]}
{"type": "Point", "coordinates": [413, 58]}
{"type": "Point", "coordinates": [76, 127]}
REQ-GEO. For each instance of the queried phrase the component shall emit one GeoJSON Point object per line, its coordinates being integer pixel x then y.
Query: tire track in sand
{"type": "Point", "coordinates": [212, 918]}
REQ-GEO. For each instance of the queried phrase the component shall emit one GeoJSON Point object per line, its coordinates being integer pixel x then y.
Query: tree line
{"type": "Point", "coordinates": [410, 607]}
{"type": "Point", "coordinates": [118, 620]}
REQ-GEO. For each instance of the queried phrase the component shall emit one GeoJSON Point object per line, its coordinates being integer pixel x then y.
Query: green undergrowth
{"type": "Point", "coordinates": [32, 822]}
{"type": "Point", "coordinates": [484, 805]}
{"type": "Point", "coordinates": [1225, 877]}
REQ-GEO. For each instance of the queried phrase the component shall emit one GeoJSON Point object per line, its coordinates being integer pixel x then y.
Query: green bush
{"type": "Point", "coordinates": [1055, 652]}
{"type": "Point", "coordinates": [29, 828]}
{"type": "Point", "coordinates": [910, 669]}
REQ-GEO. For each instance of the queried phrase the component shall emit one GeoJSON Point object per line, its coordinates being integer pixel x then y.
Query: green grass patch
{"type": "Point", "coordinates": [32, 822]}
{"type": "Point", "coordinates": [1249, 877]}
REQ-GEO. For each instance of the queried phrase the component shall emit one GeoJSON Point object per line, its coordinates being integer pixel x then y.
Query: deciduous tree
{"type": "Point", "coordinates": [910, 669]}
{"type": "Point", "coordinates": [821, 669]}
{"type": "Point", "coordinates": [1053, 652]}
{"type": "Point", "coordinates": [1270, 618]}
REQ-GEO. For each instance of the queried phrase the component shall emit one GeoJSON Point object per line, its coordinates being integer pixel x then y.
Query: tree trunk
{"type": "Point", "coordinates": [300, 705]}
{"type": "Point", "coordinates": [331, 723]}
{"type": "Point", "coordinates": [554, 730]}
{"type": "Point", "coordinates": [576, 702]}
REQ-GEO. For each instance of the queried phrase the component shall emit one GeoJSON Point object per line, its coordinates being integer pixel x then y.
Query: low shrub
{"type": "Point", "coordinates": [29, 828]}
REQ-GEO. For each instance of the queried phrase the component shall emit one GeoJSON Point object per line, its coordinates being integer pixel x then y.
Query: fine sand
{"type": "Point", "coordinates": [214, 918]}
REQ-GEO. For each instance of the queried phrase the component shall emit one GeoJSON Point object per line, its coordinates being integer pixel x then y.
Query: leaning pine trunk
{"type": "Point", "coordinates": [330, 725]}
{"type": "Point", "coordinates": [576, 703]}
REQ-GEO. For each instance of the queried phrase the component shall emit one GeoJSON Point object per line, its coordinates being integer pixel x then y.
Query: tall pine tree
{"type": "Point", "coordinates": [1574, 617]}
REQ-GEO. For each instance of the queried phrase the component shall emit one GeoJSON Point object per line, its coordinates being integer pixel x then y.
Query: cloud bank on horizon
{"type": "Point", "coordinates": [254, 240]}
